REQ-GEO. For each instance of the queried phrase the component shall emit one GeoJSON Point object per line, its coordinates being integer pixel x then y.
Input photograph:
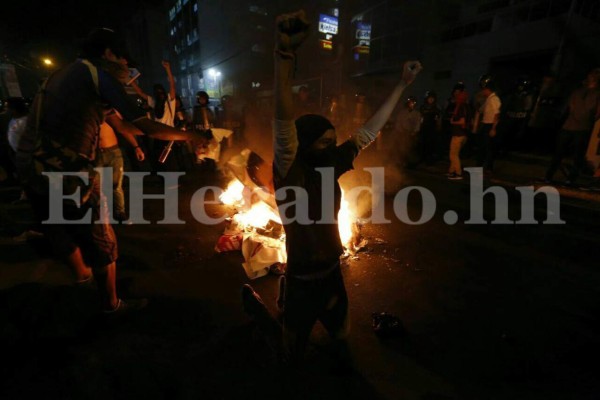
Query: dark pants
{"type": "Point", "coordinates": [488, 147]}
{"type": "Point", "coordinates": [428, 143]}
{"type": "Point", "coordinates": [307, 302]}
{"type": "Point", "coordinates": [575, 143]}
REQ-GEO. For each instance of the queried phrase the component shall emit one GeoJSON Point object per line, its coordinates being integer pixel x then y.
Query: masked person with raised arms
{"type": "Point", "coordinates": [313, 288]}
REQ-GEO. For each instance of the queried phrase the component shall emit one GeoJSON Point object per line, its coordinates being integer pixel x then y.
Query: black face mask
{"type": "Point", "coordinates": [321, 158]}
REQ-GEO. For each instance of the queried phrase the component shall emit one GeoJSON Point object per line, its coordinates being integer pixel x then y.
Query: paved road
{"type": "Point", "coordinates": [490, 312]}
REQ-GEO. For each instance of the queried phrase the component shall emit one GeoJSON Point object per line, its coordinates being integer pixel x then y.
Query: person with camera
{"type": "Point", "coordinates": [313, 287]}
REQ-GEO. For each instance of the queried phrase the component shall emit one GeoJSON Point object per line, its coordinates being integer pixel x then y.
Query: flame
{"type": "Point", "coordinates": [234, 194]}
{"type": "Point", "coordinates": [258, 216]}
{"type": "Point", "coordinates": [346, 221]}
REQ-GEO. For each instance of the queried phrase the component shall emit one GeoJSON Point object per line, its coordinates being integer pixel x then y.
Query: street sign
{"type": "Point", "coordinates": [328, 24]}
{"type": "Point", "coordinates": [326, 44]}
{"type": "Point", "coordinates": [363, 31]}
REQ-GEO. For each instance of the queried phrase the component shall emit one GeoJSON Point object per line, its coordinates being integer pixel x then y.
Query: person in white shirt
{"type": "Point", "coordinates": [163, 104]}
{"type": "Point", "coordinates": [164, 107]}
{"type": "Point", "coordinates": [489, 115]}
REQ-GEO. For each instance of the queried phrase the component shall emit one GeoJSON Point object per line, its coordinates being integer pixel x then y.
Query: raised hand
{"type": "Point", "coordinates": [410, 70]}
{"type": "Point", "coordinates": [166, 65]}
{"type": "Point", "coordinates": [292, 30]}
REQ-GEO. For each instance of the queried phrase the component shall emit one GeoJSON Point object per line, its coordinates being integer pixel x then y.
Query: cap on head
{"type": "Point", "coordinates": [487, 82]}
{"type": "Point", "coordinates": [309, 128]}
{"type": "Point", "coordinates": [460, 85]}
{"type": "Point", "coordinates": [523, 82]}
{"type": "Point", "coordinates": [430, 93]}
{"type": "Point", "coordinates": [100, 39]}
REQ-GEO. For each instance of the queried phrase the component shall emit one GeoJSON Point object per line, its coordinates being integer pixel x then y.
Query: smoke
{"type": "Point", "coordinates": [393, 178]}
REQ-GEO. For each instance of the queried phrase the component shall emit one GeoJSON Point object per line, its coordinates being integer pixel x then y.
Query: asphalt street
{"type": "Point", "coordinates": [489, 311]}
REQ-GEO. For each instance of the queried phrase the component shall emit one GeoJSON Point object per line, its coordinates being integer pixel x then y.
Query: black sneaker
{"type": "Point", "coordinates": [455, 177]}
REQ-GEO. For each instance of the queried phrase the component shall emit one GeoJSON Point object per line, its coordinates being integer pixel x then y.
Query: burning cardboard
{"type": "Point", "coordinates": [257, 221]}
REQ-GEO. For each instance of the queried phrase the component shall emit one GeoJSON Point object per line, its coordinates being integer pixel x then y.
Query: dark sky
{"type": "Point", "coordinates": [30, 29]}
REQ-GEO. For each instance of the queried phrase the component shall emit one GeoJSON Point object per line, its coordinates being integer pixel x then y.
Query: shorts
{"type": "Point", "coordinates": [97, 241]}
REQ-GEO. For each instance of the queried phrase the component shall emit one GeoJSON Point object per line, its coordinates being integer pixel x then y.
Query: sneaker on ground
{"type": "Point", "coordinates": [455, 177]}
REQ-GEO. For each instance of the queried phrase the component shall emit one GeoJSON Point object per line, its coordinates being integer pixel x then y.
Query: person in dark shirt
{"type": "Point", "coordinates": [63, 131]}
{"type": "Point", "coordinates": [313, 285]}
{"type": "Point", "coordinates": [430, 127]}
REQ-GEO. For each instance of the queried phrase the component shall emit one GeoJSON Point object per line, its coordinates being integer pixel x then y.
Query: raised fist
{"type": "Point", "coordinates": [410, 70]}
{"type": "Point", "coordinates": [166, 64]}
{"type": "Point", "coordinates": [292, 29]}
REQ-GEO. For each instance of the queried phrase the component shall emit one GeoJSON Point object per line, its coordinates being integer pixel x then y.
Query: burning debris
{"type": "Point", "coordinates": [255, 226]}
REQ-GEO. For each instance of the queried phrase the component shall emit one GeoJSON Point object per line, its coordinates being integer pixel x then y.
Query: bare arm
{"type": "Point", "coordinates": [284, 130]}
{"type": "Point", "coordinates": [123, 127]}
{"type": "Point", "coordinates": [161, 131]}
{"type": "Point", "coordinates": [284, 106]}
{"type": "Point", "coordinates": [365, 135]}
{"type": "Point", "coordinates": [172, 91]}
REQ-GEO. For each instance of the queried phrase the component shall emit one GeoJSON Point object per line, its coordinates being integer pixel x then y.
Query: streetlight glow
{"type": "Point", "coordinates": [48, 62]}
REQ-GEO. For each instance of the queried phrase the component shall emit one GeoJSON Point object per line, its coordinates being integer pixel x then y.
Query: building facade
{"type": "Point", "coordinates": [461, 40]}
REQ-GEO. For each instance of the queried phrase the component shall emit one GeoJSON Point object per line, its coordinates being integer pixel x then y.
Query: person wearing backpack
{"type": "Point", "coordinates": [62, 136]}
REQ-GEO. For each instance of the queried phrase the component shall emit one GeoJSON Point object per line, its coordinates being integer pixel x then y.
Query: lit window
{"type": "Point", "coordinates": [196, 7]}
